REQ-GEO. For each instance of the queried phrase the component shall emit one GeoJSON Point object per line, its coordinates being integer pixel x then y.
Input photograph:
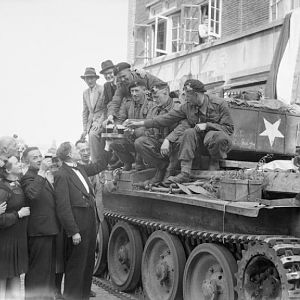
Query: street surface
{"type": "Point", "coordinates": [102, 294]}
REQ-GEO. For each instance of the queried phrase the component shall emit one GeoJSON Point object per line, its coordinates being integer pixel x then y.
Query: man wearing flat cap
{"type": "Point", "coordinates": [210, 129]}
{"type": "Point", "coordinates": [93, 113]}
{"type": "Point", "coordinates": [135, 107]}
{"type": "Point", "coordinates": [124, 76]}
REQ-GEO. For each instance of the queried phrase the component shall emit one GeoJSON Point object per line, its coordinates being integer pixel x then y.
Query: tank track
{"type": "Point", "coordinates": [107, 286]}
{"type": "Point", "coordinates": [287, 249]}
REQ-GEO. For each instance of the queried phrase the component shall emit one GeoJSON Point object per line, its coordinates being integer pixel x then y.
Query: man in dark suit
{"type": "Point", "coordinates": [42, 225]}
{"type": "Point", "coordinates": [109, 88]}
{"type": "Point", "coordinates": [77, 213]}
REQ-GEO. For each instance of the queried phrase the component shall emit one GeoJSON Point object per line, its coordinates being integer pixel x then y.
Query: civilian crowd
{"type": "Point", "coordinates": [51, 205]}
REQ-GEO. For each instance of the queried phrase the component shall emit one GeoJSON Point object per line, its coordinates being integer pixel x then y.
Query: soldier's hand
{"type": "Point", "coordinates": [133, 124]}
{"type": "Point", "coordinates": [3, 208]}
{"type": "Point", "coordinates": [110, 119]}
{"type": "Point", "coordinates": [165, 148]}
{"type": "Point", "coordinates": [141, 72]}
{"type": "Point", "coordinates": [76, 238]}
{"type": "Point", "coordinates": [200, 127]}
{"type": "Point", "coordinates": [83, 135]}
{"type": "Point", "coordinates": [96, 128]}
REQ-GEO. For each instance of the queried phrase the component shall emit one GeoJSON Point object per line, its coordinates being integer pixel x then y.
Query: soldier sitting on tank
{"type": "Point", "coordinates": [210, 123]}
{"type": "Point", "coordinates": [124, 76]}
{"type": "Point", "coordinates": [154, 146]}
{"type": "Point", "coordinates": [135, 107]}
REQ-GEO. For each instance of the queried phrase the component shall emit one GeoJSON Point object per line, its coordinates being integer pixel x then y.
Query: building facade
{"type": "Point", "coordinates": [227, 44]}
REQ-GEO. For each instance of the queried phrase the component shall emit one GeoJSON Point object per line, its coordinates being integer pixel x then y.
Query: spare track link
{"type": "Point", "coordinates": [286, 248]}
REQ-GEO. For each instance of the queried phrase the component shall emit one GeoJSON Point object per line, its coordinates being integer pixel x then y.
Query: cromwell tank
{"type": "Point", "coordinates": [229, 234]}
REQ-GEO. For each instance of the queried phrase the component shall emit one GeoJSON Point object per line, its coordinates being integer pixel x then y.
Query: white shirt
{"type": "Point", "coordinates": [78, 173]}
{"type": "Point", "coordinates": [92, 93]}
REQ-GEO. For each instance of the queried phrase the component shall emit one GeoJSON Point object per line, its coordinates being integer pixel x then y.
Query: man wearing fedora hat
{"type": "Point", "coordinates": [124, 76]}
{"type": "Point", "coordinates": [211, 127]}
{"type": "Point", "coordinates": [93, 113]}
{"type": "Point", "coordinates": [109, 88]}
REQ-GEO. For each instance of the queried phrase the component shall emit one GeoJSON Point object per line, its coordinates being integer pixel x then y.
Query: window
{"type": "Point", "coordinates": [160, 36]}
{"type": "Point", "coordinates": [162, 7]}
{"type": "Point", "coordinates": [190, 16]}
{"type": "Point", "coordinates": [203, 20]}
{"type": "Point", "coordinates": [142, 43]}
{"type": "Point", "coordinates": [279, 8]}
{"type": "Point", "coordinates": [214, 18]}
{"type": "Point", "coordinates": [171, 29]}
{"type": "Point", "coordinates": [175, 33]}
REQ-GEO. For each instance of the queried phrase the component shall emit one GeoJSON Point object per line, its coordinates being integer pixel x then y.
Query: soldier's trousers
{"type": "Point", "coordinates": [149, 149]}
{"type": "Point", "coordinates": [124, 149]}
{"type": "Point", "coordinates": [96, 144]}
{"type": "Point", "coordinates": [216, 143]}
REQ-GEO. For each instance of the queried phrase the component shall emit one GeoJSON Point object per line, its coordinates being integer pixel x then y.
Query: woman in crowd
{"type": "Point", "coordinates": [13, 229]}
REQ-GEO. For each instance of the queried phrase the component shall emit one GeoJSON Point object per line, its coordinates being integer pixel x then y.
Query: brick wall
{"type": "Point", "coordinates": [254, 13]}
{"type": "Point", "coordinates": [142, 12]}
{"type": "Point", "coordinates": [241, 15]}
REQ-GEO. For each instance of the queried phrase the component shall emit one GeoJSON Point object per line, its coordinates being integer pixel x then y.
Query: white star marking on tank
{"type": "Point", "coordinates": [272, 131]}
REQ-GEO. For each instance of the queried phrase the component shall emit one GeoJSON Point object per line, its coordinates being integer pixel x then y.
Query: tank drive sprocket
{"type": "Point", "coordinates": [269, 272]}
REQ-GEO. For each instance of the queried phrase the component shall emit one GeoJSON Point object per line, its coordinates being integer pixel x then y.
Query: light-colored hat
{"type": "Point", "coordinates": [89, 72]}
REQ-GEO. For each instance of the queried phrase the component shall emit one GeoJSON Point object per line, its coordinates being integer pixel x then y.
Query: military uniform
{"type": "Point", "coordinates": [122, 91]}
{"type": "Point", "coordinates": [219, 127]}
{"type": "Point", "coordinates": [131, 110]}
{"type": "Point", "coordinates": [148, 146]}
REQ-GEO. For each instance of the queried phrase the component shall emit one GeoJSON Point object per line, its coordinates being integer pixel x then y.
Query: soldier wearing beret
{"type": "Point", "coordinates": [210, 129]}
{"type": "Point", "coordinates": [135, 107]}
{"type": "Point", "coordinates": [154, 146]}
{"type": "Point", "coordinates": [124, 76]}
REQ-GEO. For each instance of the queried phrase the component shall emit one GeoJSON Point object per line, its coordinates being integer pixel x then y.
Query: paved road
{"type": "Point", "coordinates": [102, 294]}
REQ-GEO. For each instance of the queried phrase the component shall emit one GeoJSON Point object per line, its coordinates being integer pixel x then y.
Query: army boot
{"type": "Point", "coordinates": [127, 166]}
{"type": "Point", "coordinates": [158, 177]}
{"type": "Point", "coordinates": [139, 163]}
{"type": "Point", "coordinates": [184, 175]}
{"type": "Point", "coordinates": [214, 164]}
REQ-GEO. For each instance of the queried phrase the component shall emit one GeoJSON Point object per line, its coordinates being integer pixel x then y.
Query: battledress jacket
{"type": "Point", "coordinates": [123, 91]}
{"type": "Point", "coordinates": [214, 112]}
{"type": "Point", "coordinates": [171, 133]}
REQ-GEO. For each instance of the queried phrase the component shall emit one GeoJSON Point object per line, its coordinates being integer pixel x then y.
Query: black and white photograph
{"type": "Point", "coordinates": [150, 149]}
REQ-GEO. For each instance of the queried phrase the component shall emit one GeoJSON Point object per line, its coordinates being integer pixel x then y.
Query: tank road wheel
{"type": "Point", "coordinates": [125, 251]}
{"type": "Point", "coordinates": [101, 248]}
{"type": "Point", "coordinates": [261, 275]}
{"type": "Point", "coordinates": [162, 267]}
{"type": "Point", "coordinates": [210, 274]}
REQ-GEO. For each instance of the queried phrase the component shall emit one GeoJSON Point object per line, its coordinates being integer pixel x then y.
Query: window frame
{"type": "Point", "coordinates": [156, 23]}
{"type": "Point", "coordinates": [210, 20]}
{"type": "Point", "coordinates": [289, 5]}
